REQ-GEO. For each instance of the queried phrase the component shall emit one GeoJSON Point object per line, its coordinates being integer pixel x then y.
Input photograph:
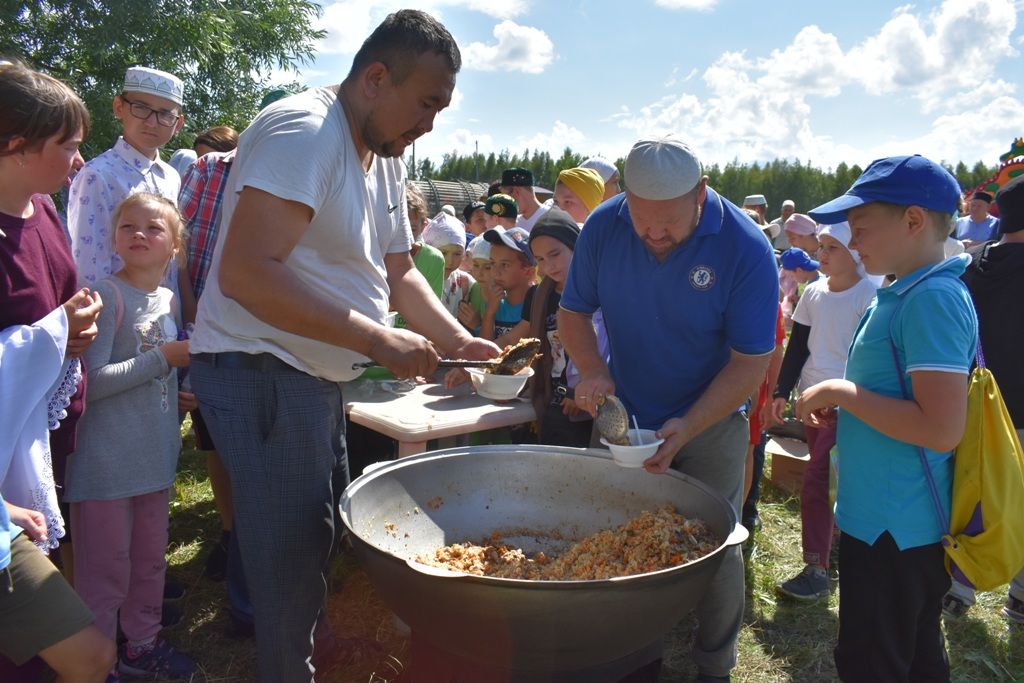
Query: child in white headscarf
{"type": "Point", "coordinates": [447, 234]}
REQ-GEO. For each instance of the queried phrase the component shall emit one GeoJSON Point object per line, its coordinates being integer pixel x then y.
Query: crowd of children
{"type": "Point", "coordinates": [142, 265]}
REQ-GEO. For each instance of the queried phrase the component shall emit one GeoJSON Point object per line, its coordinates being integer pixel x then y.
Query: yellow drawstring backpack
{"type": "Point", "coordinates": [985, 542]}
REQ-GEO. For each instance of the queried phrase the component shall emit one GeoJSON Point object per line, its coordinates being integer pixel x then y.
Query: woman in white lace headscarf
{"type": "Point", "coordinates": [40, 614]}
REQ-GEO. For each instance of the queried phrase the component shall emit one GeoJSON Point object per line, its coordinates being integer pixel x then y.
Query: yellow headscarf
{"type": "Point", "coordinates": [585, 183]}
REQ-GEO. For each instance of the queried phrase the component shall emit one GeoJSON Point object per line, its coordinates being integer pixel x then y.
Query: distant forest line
{"type": "Point", "coordinates": [778, 180]}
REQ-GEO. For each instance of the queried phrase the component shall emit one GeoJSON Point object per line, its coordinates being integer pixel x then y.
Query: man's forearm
{"type": "Point", "coordinates": [576, 331]}
{"type": "Point", "coordinates": [270, 291]}
{"type": "Point", "coordinates": [733, 385]}
{"type": "Point", "coordinates": [423, 311]}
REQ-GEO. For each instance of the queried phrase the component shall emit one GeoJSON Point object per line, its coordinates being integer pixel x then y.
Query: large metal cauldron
{"type": "Point", "coordinates": [467, 493]}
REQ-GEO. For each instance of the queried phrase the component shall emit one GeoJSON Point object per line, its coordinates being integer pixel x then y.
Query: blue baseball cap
{"type": "Point", "coordinates": [904, 181]}
{"type": "Point", "coordinates": [794, 258]}
{"type": "Point", "coordinates": [513, 238]}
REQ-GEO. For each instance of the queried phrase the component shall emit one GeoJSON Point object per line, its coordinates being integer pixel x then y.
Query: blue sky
{"type": "Point", "coordinates": [822, 82]}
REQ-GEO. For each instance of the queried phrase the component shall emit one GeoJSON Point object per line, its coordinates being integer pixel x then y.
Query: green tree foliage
{"type": "Point", "coordinates": [224, 50]}
{"type": "Point", "coordinates": [486, 168]}
{"type": "Point", "coordinates": [807, 185]}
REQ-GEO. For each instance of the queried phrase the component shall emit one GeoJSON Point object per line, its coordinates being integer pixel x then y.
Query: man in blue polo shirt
{"type": "Point", "coordinates": [689, 291]}
{"type": "Point", "coordinates": [978, 226]}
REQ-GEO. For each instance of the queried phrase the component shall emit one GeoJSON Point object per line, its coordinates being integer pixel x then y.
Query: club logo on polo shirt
{"type": "Point", "coordinates": [702, 277]}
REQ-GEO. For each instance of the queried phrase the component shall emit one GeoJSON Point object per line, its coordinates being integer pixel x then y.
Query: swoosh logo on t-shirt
{"type": "Point", "coordinates": [392, 209]}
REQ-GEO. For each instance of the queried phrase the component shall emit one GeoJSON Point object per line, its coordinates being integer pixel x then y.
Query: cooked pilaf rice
{"type": "Point", "coordinates": [646, 543]}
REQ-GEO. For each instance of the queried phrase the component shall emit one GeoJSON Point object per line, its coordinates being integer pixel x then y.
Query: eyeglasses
{"type": "Point", "coordinates": [142, 111]}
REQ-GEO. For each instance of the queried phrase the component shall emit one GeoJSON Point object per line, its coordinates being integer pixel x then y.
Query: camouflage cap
{"type": "Point", "coordinates": [502, 206]}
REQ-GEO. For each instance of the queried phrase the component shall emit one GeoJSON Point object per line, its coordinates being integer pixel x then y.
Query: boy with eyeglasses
{"type": "Point", "coordinates": [149, 108]}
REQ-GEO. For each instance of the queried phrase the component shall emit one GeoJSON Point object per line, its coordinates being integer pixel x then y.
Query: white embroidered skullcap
{"type": "Point", "coordinates": [154, 82]}
{"type": "Point", "coordinates": [659, 169]}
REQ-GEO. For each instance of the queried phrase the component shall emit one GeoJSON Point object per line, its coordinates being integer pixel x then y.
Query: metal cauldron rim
{"type": "Point", "coordinates": [738, 535]}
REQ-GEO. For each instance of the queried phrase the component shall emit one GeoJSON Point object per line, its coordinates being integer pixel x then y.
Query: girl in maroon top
{"type": "Point", "coordinates": [38, 150]}
{"type": "Point", "coordinates": [42, 123]}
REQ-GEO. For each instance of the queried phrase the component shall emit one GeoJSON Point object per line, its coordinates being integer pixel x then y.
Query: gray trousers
{"type": "Point", "coordinates": [281, 435]}
{"type": "Point", "coordinates": [717, 457]}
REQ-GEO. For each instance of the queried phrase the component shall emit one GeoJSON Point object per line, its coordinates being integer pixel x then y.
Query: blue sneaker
{"type": "Point", "coordinates": [809, 584]}
{"type": "Point", "coordinates": [160, 659]}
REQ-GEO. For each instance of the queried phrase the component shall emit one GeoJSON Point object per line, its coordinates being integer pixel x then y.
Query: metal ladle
{"type": "Point", "coordinates": [612, 421]}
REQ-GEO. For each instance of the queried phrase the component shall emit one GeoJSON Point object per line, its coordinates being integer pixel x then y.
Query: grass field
{"type": "Point", "coordinates": [780, 640]}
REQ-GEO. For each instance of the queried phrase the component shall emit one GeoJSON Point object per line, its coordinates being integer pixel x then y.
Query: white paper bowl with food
{"type": "Point", "coordinates": [634, 455]}
{"type": "Point", "coordinates": [499, 387]}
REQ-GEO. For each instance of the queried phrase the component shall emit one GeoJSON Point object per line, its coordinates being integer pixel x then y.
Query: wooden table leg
{"type": "Point", "coordinates": [411, 448]}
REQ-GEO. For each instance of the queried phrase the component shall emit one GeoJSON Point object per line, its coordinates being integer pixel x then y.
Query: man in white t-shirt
{"type": "Point", "coordinates": [779, 237]}
{"type": "Point", "coordinates": [518, 184]}
{"type": "Point", "coordinates": [315, 246]}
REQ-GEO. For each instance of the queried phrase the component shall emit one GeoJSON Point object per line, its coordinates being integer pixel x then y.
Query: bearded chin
{"type": "Point", "coordinates": [388, 150]}
{"type": "Point", "coordinates": [373, 141]}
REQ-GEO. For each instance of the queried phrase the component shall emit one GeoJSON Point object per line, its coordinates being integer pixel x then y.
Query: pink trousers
{"type": "Point", "coordinates": [120, 548]}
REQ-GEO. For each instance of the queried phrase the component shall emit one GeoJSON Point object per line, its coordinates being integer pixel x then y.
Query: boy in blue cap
{"type": "Point", "coordinates": [798, 271]}
{"type": "Point", "coordinates": [892, 576]}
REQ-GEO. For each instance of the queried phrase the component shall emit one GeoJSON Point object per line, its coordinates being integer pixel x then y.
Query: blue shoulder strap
{"type": "Point", "coordinates": [939, 510]}
{"type": "Point", "coordinates": [980, 360]}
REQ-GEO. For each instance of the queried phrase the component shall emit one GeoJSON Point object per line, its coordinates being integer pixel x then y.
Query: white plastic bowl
{"type": "Point", "coordinates": [498, 387]}
{"type": "Point", "coordinates": [634, 456]}
{"type": "Point", "coordinates": [391, 318]}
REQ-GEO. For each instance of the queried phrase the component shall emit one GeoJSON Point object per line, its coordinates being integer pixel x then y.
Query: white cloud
{"type": "Point", "coordinates": [983, 132]}
{"type": "Point", "coordinates": [507, 9]}
{"type": "Point", "coordinates": [349, 22]}
{"type": "Point", "coordinates": [813, 64]}
{"type": "Point", "coordinates": [301, 75]}
{"type": "Point", "coordinates": [518, 48]}
{"type": "Point", "coordinates": [701, 5]}
{"type": "Point", "coordinates": [456, 102]}
{"type": "Point", "coordinates": [674, 78]}
{"type": "Point", "coordinates": [562, 135]}
{"type": "Point", "coordinates": [465, 141]}
{"type": "Point", "coordinates": [952, 48]}
{"type": "Point", "coordinates": [758, 109]}
{"type": "Point", "coordinates": [448, 113]}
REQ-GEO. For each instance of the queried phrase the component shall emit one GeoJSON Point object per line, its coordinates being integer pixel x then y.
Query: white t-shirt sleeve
{"type": "Point", "coordinates": [401, 239]}
{"type": "Point", "coordinates": [866, 291]}
{"type": "Point", "coordinates": [805, 308]}
{"type": "Point", "coordinates": [291, 159]}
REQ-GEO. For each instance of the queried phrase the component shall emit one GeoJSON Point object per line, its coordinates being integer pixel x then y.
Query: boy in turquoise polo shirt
{"type": "Point", "coordinates": [892, 576]}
